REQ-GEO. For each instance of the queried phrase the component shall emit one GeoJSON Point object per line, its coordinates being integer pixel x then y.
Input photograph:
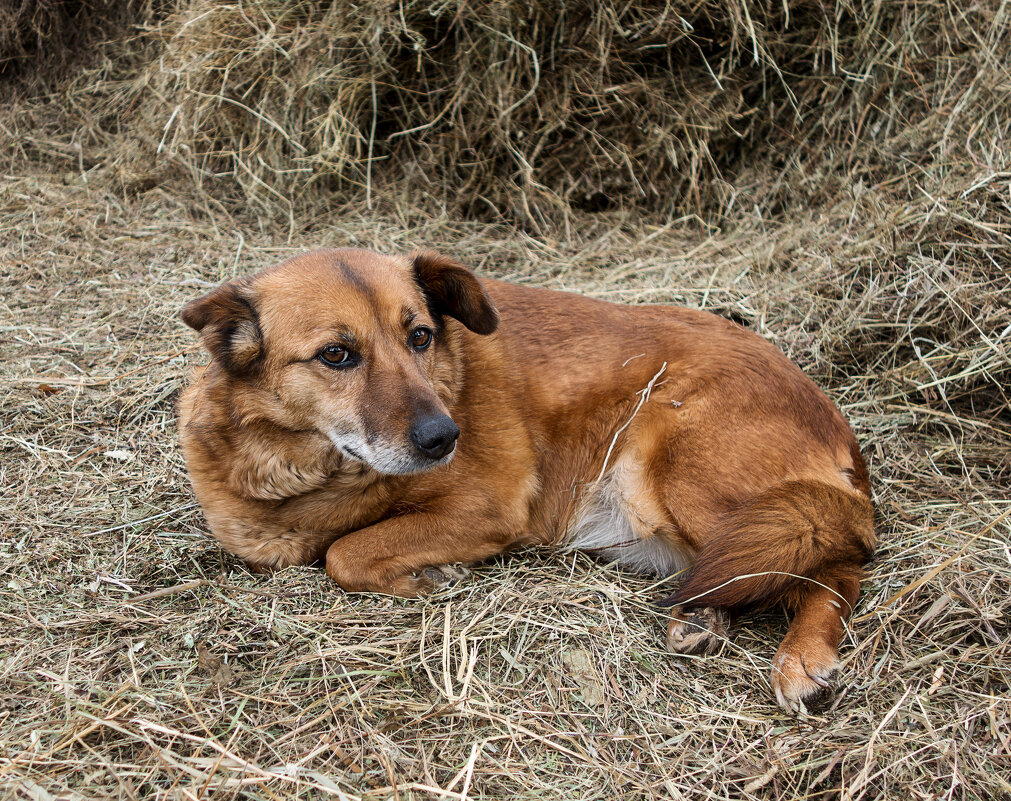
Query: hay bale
{"type": "Point", "coordinates": [509, 109]}
{"type": "Point", "coordinates": [41, 39]}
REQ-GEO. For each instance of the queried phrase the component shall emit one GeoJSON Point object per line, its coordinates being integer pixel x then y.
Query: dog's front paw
{"type": "Point", "coordinates": [345, 566]}
{"type": "Point", "coordinates": [436, 577]}
{"type": "Point", "coordinates": [802, 677]}
{"type": "Point", "coordinates": [446, 575]}
{"type": "Point", "coordinates": [696, 631]}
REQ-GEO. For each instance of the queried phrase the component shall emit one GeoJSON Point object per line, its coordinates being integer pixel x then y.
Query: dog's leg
{"type": "Point", "coordinates": [802, 543]}
{"type": "Point", "coordinates": [808, 657]}
{"type": "Point", "coordinates": [394, 555]}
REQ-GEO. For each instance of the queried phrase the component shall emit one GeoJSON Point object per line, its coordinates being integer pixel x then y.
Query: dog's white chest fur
{"type": "Point", "coordinates": [616, 522]}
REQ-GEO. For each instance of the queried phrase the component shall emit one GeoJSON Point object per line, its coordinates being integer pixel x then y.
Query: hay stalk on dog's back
{"type": "Point", "coordinates": [396, 414]}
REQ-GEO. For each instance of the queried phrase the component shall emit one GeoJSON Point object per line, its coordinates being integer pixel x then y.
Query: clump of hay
{"type": "Point", "coordinates": [41, 39]}
{"type": "Point", "coordinates": [522, 111]}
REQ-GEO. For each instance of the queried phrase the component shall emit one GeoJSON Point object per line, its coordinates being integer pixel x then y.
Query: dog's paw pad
{"type": "Point", "coordinates": [803, 681]}
{"type": "Point", "coordinates": [696, 631]}
{"type": "Point", "coordinates": [446, 575]}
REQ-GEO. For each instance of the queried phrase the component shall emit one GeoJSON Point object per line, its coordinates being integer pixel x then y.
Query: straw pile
{"type": "Point", "coordinates": [846, 191]}
{"type": "Point", "coordinates": [524, 110]}
{"type": "Point", "coordinates": [40, 40]}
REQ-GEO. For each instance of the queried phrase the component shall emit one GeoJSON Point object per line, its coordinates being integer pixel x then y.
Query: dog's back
{"type": "Point", "coordinates": [672, 439]}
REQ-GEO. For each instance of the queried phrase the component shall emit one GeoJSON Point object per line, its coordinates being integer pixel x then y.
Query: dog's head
{"type": "Point", "coordinates": [352, 344]}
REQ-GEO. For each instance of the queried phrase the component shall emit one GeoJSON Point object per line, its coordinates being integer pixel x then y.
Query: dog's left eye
{"type": "Point", "coordinates": [421, 338]}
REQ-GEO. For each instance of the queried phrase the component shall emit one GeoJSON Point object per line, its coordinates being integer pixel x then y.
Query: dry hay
{"type": "Point", "coordinates": [545, 675]}
{"type": "Point", "coordinates": [139, 661]}
{"type": "Point", "coordinates": [523, 110]}
{"type": "Point", "coordinates": [40, 40]}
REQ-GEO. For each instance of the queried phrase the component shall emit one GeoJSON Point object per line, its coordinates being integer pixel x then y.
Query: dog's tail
{"type": "Point", "coordinates": [767, 549]}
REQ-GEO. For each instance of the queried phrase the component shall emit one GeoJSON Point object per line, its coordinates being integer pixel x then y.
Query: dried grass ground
{"type": "Point", "coordinates": [138, 661]}
{"type": "Point", "coordinates": [857, 212]}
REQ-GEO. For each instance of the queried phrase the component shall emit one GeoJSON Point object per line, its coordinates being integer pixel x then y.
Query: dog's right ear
{"type": "Point", "coordinates": [228, 325]}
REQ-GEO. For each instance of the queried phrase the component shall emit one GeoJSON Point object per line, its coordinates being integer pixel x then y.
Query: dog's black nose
{"type": "Point", "coordinates": [435, 436]}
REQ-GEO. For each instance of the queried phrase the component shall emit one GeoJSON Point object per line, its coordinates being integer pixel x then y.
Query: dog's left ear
{"type": "Point", "coordinates": [454, 290]}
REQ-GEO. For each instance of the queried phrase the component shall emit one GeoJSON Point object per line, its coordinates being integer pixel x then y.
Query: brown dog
{"type": "Point", "coordinates": [327, 425]}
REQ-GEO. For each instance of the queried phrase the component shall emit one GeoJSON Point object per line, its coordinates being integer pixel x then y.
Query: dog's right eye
{"type": "Point", "coordinates": [336, 356]}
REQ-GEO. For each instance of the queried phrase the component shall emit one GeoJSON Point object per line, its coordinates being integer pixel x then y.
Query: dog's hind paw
{"type": "Point", "coordinates": [696, 631]}
{"type": "Point", "coordinates": [804, 680]}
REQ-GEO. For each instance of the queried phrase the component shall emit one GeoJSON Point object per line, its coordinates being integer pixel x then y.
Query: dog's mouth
{"type": "Point", "coordinates": [415, 463]}
{"type": "Point", "coordinates": [342, 442]}
{"type": "Point", "coordinates": [388, 461]}
{"type": "Point", "coordinates": [351, 453]}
